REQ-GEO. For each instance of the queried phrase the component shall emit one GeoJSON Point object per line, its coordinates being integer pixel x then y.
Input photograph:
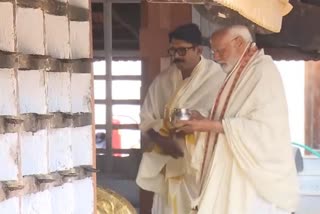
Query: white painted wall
{"type": "Point", "coordinates": [30, 32]}
{"type": "Point", "coordinates": [59, 92]}
{"type": "Point", "coordinates": [81, 138]}
{"type": "Point", "coordinates": [83, 196]}
{"type": "Point", "coordinates": [62, 200]}
{"type": "Point", "coordinates": [8, 101]}
{"type": "Point", "coordinates": [60, 153]}
{"type": "Point", "coordinates": [34, 152]}
{"type": "Point", "coordinates": [6, 27]}
{"type": "Point", "coordinates": [32, 85]}
{"type": "Point", "coordinates": [80, 42]}
{"type": "Point", "coordinates": [33, 31]}
{"type": "Point", "coordinates": [10, 206]}
{"type": "Point", "coordinates": [38, 203]}
{"type": "Point", "coordinates": [8, 156]}
{"type": "Point", "coordinates": [57, 38]}
{"type": "Point", "coordinates": [81, 92]}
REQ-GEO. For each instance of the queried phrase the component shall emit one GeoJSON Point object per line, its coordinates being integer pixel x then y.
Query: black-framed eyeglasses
{"type": "Point", "coordinates": [180, 51]}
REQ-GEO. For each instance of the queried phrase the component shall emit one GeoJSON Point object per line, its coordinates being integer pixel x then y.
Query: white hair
{"type": "Point", "coordinates": [242, 31]}
{"type": "Point", "coordinates": [237, 30]}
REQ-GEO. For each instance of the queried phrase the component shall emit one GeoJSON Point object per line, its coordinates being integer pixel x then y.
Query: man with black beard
{"type": "Point", "coordinates": [190, 82]}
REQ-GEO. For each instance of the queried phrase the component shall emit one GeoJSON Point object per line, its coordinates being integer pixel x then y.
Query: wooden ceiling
{"type": "Point", "coordinates": [300, 34]}
{"type": "Point", "coordinates": [125, 26]}
{"type": "Point", "coordinates": [299, 38]}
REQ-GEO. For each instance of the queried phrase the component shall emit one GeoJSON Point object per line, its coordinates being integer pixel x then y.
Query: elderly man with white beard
{"type": "Point", "coordinates": [245, 161]}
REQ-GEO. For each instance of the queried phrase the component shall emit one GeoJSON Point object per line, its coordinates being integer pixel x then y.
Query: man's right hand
{"type": "Point", "coordinates": [195, 115]}
{"type": "Point", "coordinates": [169, 146]}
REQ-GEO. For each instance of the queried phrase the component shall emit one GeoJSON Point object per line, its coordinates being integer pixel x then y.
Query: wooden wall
{"type": "Point", "coordinates": [312, 104]}
{"type": "Point", "coordinates": [157, 21]}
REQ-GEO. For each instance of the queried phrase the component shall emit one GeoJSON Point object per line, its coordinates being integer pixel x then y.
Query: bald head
{"type": "Point", "coordinates": [228, 44]}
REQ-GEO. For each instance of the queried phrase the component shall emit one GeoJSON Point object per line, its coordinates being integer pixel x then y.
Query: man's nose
{"type": "Point", "coordinates": [216, 56]}
{"type": "Point", "coordinates": [176, 55]}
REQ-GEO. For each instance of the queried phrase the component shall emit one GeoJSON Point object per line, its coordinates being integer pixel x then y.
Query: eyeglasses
{"type": "Point", "coordinates": [179, 51]}
{"type": "Point", "coordinates": [221, 51]}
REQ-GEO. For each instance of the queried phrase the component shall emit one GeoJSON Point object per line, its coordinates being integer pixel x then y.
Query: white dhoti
{"type": "Point", "coordinates": [251, 168]}
{"type": "Point", "coordinates": [261, 206]}
{"type": "Point", "coordinates": [173, 189]}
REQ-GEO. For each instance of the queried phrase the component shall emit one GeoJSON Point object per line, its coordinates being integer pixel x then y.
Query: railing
{"type": "Point", "coordinates": [309, 149]}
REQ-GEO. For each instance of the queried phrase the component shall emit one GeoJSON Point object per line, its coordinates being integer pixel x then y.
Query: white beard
{"type": "Point", "coordinates": [227, 67]}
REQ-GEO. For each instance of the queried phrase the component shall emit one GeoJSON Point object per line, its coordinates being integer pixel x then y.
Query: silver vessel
{"type": "Point", "coordinates": [180, 114]}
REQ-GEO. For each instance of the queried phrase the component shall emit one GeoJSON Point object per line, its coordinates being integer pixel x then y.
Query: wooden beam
{"type": "Point", "coordinates": [107, 27]}
{"type": "Point", "coordinates": [126, 77]}
{"type": "Point", "coordinates": [118, 102]}
{"type": "Point", "coordinates": [126, 102]}
{"type": "Point", "coordinates": [131, 29]}
{"type": "Point", "coordinates": [157, 20]}
{"type": "Point", "coordinates": [94, 176]}
{"type": "Point", "coordinates": [312, 104]}
{"type": "Point", "coordinates": [125, 126]}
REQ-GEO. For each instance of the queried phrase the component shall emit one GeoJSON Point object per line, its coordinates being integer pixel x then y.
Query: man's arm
{"type": "Point", "coordinates": [168, 145]}
{"type": "Point", "coordinates": [199, 123]}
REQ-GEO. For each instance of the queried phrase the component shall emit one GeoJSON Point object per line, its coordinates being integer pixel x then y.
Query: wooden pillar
{"type": "Point", "coordinates": [157, 21]}
{"type": "Point", "coordinates": [94, 164]}
{"type": "Point", "coordinates": [312, 104]}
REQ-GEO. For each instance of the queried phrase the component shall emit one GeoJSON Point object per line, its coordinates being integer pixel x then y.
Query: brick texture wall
{"type": "Point", "coordinates": [46, 132]}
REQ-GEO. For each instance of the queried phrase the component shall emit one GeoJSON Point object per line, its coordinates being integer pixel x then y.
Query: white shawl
{"type": "Point", "coordinates": [196, 92]}
{"type": "Point", "coordinates": [254, 156]}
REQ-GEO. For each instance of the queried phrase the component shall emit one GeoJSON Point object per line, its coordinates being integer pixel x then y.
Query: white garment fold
{"type": "Point", "coordinates": [254, 156]}
{"type": "Point", "coordinates": [197, 93]}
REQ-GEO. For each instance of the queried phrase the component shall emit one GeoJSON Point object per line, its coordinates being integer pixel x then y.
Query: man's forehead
{"type": "Point", "coordinates": [220, 37]}
{"type": "Point", "coordinates": [179, 43]}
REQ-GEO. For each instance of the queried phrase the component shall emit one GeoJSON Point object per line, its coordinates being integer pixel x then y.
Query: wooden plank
{"type": "Point", "coordinates": [94, 176]}
{"type": "Point", "coordinates": [151, 52]}
{"type": "Point", "coordinates": [125, 150]}
{"type": "Point", "coordinates": [126, 102]}
{"type": "Point", "coordinates": [125, 126]}
{"type": "Point", "coordinates": [101, 126]}
{"type": "Point", "coordinates": [100, 102]}
{"type": "Point", "coordinates": [107, 25]}
{"type": "Point", "coordinates": [312, 103]}
{"type": "Point", "coordinates": [119, 126]}
{"type": "Point", "coordinates": [102, 77]}
{"type": "Point", "coordinates": [126, 77]}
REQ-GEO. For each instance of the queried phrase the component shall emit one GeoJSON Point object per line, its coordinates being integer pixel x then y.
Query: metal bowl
{"type": "Point", "coordinates": [181, 114]}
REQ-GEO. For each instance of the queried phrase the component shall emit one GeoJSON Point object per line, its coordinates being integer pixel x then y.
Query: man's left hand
{"type": "Point", "coordinates": [204, 125]}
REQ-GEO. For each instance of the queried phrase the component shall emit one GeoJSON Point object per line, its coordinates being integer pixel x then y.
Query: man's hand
{"type": "Point", "coordinates": [204, 125]}
{"type": "Point", "coordinates": [195, 115]}
{"type": "Point", "coordinates": [169, 146]}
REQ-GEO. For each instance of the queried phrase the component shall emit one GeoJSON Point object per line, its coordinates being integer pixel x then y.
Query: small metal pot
{"type": "Point", "coordinates": [181, 114]}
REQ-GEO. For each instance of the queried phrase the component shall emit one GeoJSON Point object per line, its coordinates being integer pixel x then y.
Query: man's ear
{"type": "Point", "coordinates": [199, 49]}
{"type": "Point", "coordinates": [239, 41]}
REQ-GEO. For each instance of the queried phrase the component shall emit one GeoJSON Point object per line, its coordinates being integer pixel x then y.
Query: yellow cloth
{"type": "Point", "coordinates": [266, 13]}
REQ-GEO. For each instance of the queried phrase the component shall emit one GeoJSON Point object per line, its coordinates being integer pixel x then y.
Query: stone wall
{"type": "Point", "coordinates": [46, 132]}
